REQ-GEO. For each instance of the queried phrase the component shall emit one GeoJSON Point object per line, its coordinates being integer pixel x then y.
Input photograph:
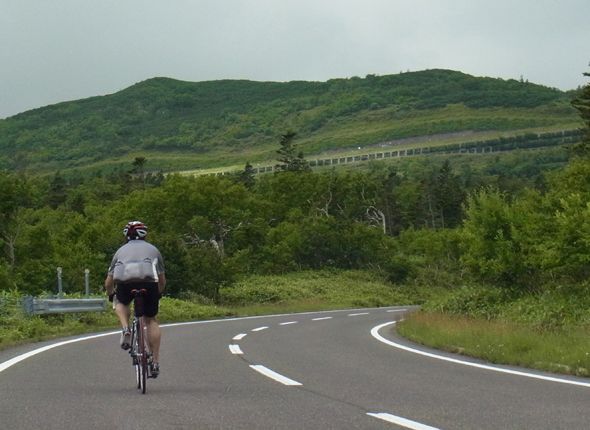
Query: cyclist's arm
{"type": "Point", "coordinates": [109, 285]}
{"type": "Point", "coordinates": [161, 282]}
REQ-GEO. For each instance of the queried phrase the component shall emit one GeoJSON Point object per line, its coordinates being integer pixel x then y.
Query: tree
{"type": "Point", "coordinates": [449, 196]}
{"type": "Point", "coordinates": [442, 198]}
{"type": "Point", "coordinates": [246, 176]}
{"type": "Point", "coordinates": [138, 169]}
{"type": "Point", "coordinates": [14, 192]}
{"type": "Point", "coordinates": [193, 222]}
{"type": "Point", "coordinates": [138, 165]}
{"type": "Point", "coordinates": [58, 191]}
{"type": "Point", "coordinates": [292, 160]}
{"type": "Point", "coordinates": [582, 104]}
{"type": "Point", "coordinates": [509, 243]}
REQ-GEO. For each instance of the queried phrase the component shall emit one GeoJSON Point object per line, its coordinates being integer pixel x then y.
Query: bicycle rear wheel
{"type": "Point", "coordinates": [135, 354]}
{"type": "Point", "coordinates": [142, 360]}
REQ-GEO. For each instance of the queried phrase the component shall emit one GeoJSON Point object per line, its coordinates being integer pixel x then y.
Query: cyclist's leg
{"type": "Point", "coordinates": [124, 299]}
{"type": "Point", "coordinates": [151, 310]}
{"type": "Point", "coordinates": [124, 313]}
{"type": "Point", "coordinates": [153, 337]}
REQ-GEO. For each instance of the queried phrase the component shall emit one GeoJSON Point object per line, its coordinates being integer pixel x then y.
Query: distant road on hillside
{"type": "Point", "coordinates": [390, 149]}
{"type": "Point", "coordinates": [417, 139]}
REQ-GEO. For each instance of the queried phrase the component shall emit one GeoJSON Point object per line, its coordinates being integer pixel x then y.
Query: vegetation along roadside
{"type": "Point", "coordinates": [253, 295]}
{"type": "Point", "coordinates": [527, 301]}
{"type": "Point", "coordinates": [499, 241]}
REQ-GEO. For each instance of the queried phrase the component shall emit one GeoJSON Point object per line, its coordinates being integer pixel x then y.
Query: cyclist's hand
{"type": "Point", "coordinates": [111, 297]}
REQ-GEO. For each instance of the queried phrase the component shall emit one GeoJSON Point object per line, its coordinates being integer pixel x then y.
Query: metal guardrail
{"type": "Point", "coordinates": [36, 306]}
{"type": "Point", "coordinates": [484, 147]}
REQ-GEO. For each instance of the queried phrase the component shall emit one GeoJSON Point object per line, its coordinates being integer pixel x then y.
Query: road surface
{"type": "Point", "coordinates": [324, 370]}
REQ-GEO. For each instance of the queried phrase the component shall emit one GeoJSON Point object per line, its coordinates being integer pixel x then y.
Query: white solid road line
{"type": "Point", "coordinates": [289, 323]}
{"type": "Point", "coordinates": [274, 375]}
{"type": "Point", "coordinates": [235, 349]}
{"type": "Point", "coordinates": [402, 421]}
{"type": "Point", "coordinates": [376, 335]}
{"type": "Point", "coordinates": [322, 318]}
{"type": "Point", "coordinates": [239, 336]}
{"type": "Point", "coordinates": [7, 364]}
{"type": "Point", "coordinates": [260, 328]}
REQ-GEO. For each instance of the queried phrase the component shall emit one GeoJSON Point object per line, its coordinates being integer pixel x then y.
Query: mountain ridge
{"type": "Point", "coordinates": [179, 124]}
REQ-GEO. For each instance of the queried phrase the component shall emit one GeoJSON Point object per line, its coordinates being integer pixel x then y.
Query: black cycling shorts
{"type": "Point", "coordinates": [151, 298]}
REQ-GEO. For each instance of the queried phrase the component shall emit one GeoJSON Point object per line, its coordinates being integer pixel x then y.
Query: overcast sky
{"type": "Point", "coordinates": [57, 50]}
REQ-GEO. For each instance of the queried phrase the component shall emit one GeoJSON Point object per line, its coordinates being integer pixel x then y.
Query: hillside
{"type": "Point", "coordinates": [179, 125]}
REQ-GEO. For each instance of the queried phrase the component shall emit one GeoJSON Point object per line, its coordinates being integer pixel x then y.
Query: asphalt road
{"type": "Point", "coordinates": [326, 370]}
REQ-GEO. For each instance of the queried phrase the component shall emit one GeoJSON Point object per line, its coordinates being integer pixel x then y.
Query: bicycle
{"type": "Point", "coordinates": [140, 354]}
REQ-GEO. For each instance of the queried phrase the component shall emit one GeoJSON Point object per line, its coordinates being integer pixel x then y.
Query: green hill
{"type": "Point", "coordinates": [181, 125]}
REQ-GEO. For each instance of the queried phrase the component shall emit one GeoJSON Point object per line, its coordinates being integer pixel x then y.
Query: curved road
{"type": "Point", "coordinates": [324, 370]}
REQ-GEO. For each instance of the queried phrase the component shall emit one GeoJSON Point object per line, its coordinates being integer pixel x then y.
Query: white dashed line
{"type": "Point", "coordinates": [289, 323]}
{"type": "Point", "coordinates": [323, 318]}
{"type": "Point", "coordinates": [402, 421]}
{"type": "Point", "coordinates": [360, 313]}
{"type": "Point", "coordinates": [274, 375]}
{"type": "Point", "coordinates": [239, 336]}
{"type": "Point", "coordinates": [397, 310]}
{"type": "Point", "coordinates": [235, 349]}
{"type": "Point", "coordinates": [5, 365]}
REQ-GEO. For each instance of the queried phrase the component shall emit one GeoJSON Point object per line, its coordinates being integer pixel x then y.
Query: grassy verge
{"type": "Point", "coordinates": [255, 295]}
{"type": "Point", "coordinates": [564, 350]}
{"type": "Point", "coordinates": [333, 288]}
{"type": "Point", "coordinates": [18, 328]}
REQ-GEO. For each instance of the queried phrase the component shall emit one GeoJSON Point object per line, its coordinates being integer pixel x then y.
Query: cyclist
{"type": "Point", "coordinates": [138, 265]}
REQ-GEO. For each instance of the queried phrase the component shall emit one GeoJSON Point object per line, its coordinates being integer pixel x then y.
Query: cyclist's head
{"type": "Point", "coordinates": [135, 230]}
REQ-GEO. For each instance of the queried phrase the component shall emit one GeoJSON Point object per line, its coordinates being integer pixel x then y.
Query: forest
{"type": "Point", "coordinates": [191, 125]}
{"type": "Point", "coordinates": [513, 220]}
{"type": "Point", "coordinates": [497, 235]}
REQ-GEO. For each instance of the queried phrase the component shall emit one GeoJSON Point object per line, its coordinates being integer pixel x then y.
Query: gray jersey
{"type": "Point", "coordinates": [136, 261]}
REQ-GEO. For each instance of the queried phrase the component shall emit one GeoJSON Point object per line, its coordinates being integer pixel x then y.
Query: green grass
{"type": "Point", "coordinates": [565, 350]}
{"type": "Point", "coordinates": [255, 295]}
{"type": "Point", "coordinates": [18, 328]}
{"type": "Point", "coordinates": [305, 291]}
{"type": "Point", "coordinates": [370, 127]}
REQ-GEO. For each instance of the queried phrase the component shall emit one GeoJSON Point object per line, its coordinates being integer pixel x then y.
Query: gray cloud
{"type": "Point", "coordinates": [53, 51]}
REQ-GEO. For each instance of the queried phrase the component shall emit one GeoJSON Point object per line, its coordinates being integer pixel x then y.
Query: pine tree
{"type": "Point", "coordinates": [246, 176]}
{"type": "Point", "coordinates": [292, 161]}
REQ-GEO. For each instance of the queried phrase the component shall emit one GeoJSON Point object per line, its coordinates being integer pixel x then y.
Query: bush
{"type": "Point", "coordinates": [401, 267]}
{"type": "Point", "coordinates": [335, 287]}
{"type": "Point", "coordinates": [174, 310]}
{"type": "Point", "coordinates": [475, 301]}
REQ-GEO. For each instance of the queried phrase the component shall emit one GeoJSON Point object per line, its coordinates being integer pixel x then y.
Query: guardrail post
{"type": "Point", "coordinates": [28, 305]}
{"type": "Point", "coordinates": [87, 276]}
{"type": "Point", "coordinates": [59, 284]}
